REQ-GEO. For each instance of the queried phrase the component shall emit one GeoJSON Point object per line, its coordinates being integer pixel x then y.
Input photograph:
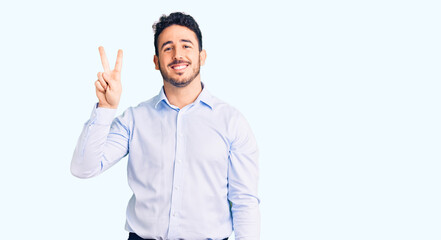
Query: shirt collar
{"type": "Point", "coordinates": [161, 97]}
{"type": "Point", "coordinates": [204, 97]}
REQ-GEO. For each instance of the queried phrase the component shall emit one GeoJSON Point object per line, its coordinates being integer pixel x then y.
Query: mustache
{"type": "Point", "coordinates": [178, 62]}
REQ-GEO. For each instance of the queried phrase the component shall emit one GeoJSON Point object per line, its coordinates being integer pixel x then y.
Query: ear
{"type": "Point", "coordinates": [156, 61]}
{"type": "Point", "coordinates": [202, 57]}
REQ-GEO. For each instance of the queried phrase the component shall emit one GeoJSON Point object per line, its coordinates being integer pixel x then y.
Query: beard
{"type": "Point", "coordinates": [182, 82]}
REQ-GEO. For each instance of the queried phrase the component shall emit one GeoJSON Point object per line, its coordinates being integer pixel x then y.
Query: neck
{"type": "Point", "coordinates": [182, 96]}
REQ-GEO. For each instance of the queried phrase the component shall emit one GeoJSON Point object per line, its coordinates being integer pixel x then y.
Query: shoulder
{"type": "Point", "coordinates": [131, 112]}
{"type": "Point", "coordinates": [225, 109]}
{"type": "Point", "coordinates": [235, 120]}
{"type": "Point", "coordinates": [146, 104]}
{"type": "Point", "coordinates": [239, 132]}
{"type": "Point", "coordinates": [142, 107]}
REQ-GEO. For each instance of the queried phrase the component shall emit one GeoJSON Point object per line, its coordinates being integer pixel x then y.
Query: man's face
{"type": "Point", "coordinates": [179, 59]}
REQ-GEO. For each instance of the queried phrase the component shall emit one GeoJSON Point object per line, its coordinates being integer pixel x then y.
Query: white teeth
{"type": "Point", "coordinates": [180, 67]}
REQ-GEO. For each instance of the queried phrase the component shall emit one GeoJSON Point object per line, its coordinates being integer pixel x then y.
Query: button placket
{"type": "Point", "coordinates": [177, 179]}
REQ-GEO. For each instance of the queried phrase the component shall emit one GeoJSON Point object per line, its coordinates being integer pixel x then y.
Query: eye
{"type": "Point", "coordinates": [167, 49]}
{"type": "Point", "coordinates": [186, 46]}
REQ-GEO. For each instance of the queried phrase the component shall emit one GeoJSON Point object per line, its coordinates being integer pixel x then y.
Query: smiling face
{"type": "Point", "coordinates": [178, 58]}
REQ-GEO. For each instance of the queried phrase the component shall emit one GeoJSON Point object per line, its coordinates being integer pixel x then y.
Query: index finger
{"type": "Point", "coordinates": [118, 64]}
{"type": "Point", "coordinates": [104, 59]}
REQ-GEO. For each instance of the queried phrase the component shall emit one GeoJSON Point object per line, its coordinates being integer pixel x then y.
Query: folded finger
{"type": "Point", "coordinates": [108, 79]}
{"type": "Point", "coordinates": [102, 81]}
{"type": "Point", "coordinates": [99, 87]}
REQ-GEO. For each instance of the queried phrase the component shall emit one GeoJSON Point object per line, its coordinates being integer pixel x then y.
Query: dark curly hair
{"type": "Point", "coordinates": [176, 18]}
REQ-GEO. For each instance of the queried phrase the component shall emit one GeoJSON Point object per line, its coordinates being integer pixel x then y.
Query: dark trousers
{"type": "Point", "coordinates": [134, 236]}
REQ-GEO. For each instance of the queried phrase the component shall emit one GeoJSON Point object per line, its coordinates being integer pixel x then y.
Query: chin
{"type": "Point", "coordinates": [178, 83]}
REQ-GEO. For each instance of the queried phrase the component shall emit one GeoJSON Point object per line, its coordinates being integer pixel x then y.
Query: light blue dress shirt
{"type": "Point", "coordinates": [193, 171]}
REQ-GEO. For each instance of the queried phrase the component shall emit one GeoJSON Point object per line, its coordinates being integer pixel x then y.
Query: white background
{"type": "Point", "coordinates": [343, 97]}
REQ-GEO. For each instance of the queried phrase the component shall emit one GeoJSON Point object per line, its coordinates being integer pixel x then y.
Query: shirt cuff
{"type": "Point", "coordinates": [102, 116]}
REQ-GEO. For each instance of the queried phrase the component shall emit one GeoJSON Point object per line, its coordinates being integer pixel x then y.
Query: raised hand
{"type": "Point", "coordinates": [108, 85]}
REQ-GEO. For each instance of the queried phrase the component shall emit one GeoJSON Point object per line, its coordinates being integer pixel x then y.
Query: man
{"type": "Point", "coordinates": [192, 159]}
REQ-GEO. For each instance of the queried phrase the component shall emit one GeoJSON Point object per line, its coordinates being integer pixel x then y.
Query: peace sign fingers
{"type": "Point", "coordinates": [108, 86]}
{"type": "Point", "coordinates": [104, 59]}
{"type": "Point", "coordinates": [118, 64]}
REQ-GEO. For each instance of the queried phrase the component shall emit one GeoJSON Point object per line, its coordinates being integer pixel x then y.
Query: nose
{"type": "Point", "coordinates": [177, 53]}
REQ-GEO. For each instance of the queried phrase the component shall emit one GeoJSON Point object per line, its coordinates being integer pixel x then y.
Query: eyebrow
{"type": "Point", "coordinates": [182, 40]}
{"type": "Point", "coordinates": [168, 42]}
{"type": "Point", "coordinates": [186, 40]}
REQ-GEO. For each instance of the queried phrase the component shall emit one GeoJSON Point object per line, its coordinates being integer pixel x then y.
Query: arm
{"type": "Point", "coordinates": [243, 174]}
{"type": "Point", "coordinates": [103, 142]}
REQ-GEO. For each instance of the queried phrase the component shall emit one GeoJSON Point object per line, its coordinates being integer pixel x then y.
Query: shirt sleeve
{"type": "Point", "coordinates": [243, 174]}
{"type": "Point", "coordinates": [102, 143]}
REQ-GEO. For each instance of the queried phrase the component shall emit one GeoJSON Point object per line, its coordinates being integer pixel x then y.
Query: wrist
{"type": "Point", "coordinates": [100, 105]}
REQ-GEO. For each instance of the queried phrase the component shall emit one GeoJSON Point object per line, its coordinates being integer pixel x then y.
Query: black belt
{"type": "Point", "coordinates": [134, 236]}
